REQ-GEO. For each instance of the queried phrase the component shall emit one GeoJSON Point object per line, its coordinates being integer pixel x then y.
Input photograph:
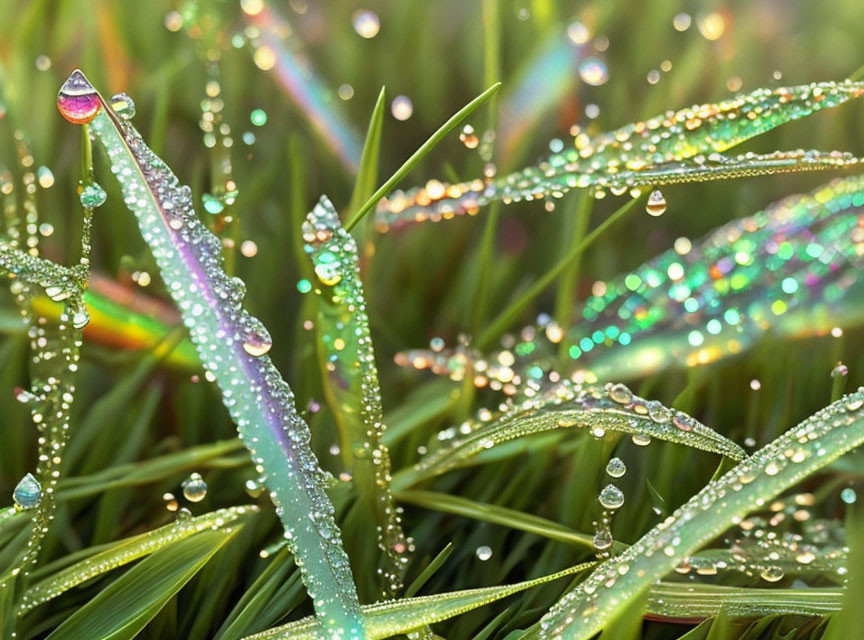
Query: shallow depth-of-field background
{"type": "Point", "coordinates": [422, 280]}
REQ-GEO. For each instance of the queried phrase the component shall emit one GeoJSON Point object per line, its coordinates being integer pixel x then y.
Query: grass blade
{"type": "Point", "coordinates": [232, 345]}
{"type": "Point", "coordinates": [793, 456]}
{"type": "Point", "coordinates": [418, 155]}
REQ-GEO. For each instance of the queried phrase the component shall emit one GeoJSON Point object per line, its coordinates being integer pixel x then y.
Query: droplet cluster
{"type": "Point", "coordinates": [683, 146]}
{"type": "Point", "coordinates": [351, 378]}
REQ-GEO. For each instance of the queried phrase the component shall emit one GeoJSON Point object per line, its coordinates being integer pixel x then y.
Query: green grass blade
{"type": "Point", "coordinates": [388, 619]}
{"type": "Point", "coordinates": [793, 456]}
{"type": "Point", "coordinates": [232, 345]}
{"type": "Point", "coordinates": [565, 406]}
{"type": "Point", "coordinates": [418, 155]}
{"type": "Point", "coordinates": [123, 609]}
{"type": "Point", "coordinates": [367, 174]}
{"type": "Point", "coordinates": [126, 551]}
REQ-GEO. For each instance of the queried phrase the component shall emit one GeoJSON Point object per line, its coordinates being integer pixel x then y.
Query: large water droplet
{"type": "Point", "coordinates": [212, 204]}
{"type": "Point", "coordinates": [656, 205]}
{"type": "Point", "coordinates": [616, 467]}
{"type": "Point", "coordinates": [483, 553]}
{"type": "Point", "coordinates": [92, 195]}
{"type": "Point", "coordinates": [123, 106]}
{"type": "Point", "coordinates": [641, 440]}
{"type": "Point", "coordinates": [27, 493]}
{"type": "Point", "coordinates": [771, 574]}
{"type": "Point", "coordinates": [848, 495]}
{"type": "Point", "coordinates": [620, 393]}
{"type": "Point", "coordinates": [194, 488]}
{"type": "Point", "coordinates": [611, 497]}
{"type": "Point", "coordinates": [602, 539]}
{"type": "Point", "coordinates": [78, 101]}
{"type": "Point", "coordinates": [256, 345]}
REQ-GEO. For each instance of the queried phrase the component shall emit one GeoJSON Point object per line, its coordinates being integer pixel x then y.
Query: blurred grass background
{"type": "Point", "coordinates": [130, 409]}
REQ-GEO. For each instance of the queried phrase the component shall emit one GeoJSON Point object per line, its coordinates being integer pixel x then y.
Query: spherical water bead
{"type": "Point", "coordinates": [171, 503]}
{"type": "Point", "coordinates": [253, 488]}
{"type": "Point", "coordinates": [194, 488]}
{"type": "Point", "coordinates": [616, 467]}
{"type": "Point", "coordinates": [92, 195]}
{"type": "Point", "coordinates": [212, 204]}
{"type": "Point", "coordinates": [593, 71]}
{"type": "Point", "coordinates": [183, 516]}
{"type": "Point", "coordinates": [840, 371]}
{"type": "Point", "coordinates": [611, 497]}
{"type": "Point", "coordinates": [27, 493]}
{"type": "Point", "coordinates": [304, 286]}
{"type": "Point", "coordinates": [483, 553]}
{"type": "Point", "coordinates": [366, 23]}
{"type": "Point", "coordinates": [848, 495]}
{"type": "Point", "coordinates": [258, 117]}
{"type": "Point", "coordinates": [620, 394]}
{"type": "Point", "coordinates": [578, 33]}
{"type": "Point", "coordinates": [43, 62]}
{"type": "Point", "coordinates": [711, 25]}
{"type": "Point", "coordinates": [256, 345]}
{"type": "Point", "coordinates": [123, 106]}
{"type": "Point", "coordinates": [402, 107]}
{"type": "Point", "coordinates": [602, 539]}
{"type": "Point", "coordinates": [641, 440]}
{"type": "Point", "coordinates": [78, 101]}
{"type": "Point", "coordinates": [682, 21]}
{"type": "Point", "coordinates": [656, 205]}
{"type": "Point", "coordinates": [771, 574]}
{"type": "Point", "coordinates": [45, 177]}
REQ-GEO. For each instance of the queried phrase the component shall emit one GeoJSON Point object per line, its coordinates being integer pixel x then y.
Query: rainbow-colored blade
{"type": "Point", "coordinates": [791, 270]}
{"type": "Point", "coordinates": [687, 145]}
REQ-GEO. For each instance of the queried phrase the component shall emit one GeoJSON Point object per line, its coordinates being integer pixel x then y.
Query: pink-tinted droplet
{"type": "Point", "coordinates": [78, 101]}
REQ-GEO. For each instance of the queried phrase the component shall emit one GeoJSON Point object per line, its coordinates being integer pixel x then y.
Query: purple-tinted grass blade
{"type": "Point", "coordinates": [232, 346]}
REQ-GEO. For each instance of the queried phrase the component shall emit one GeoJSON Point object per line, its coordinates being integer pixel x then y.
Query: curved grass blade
{"type": "Point", "coordinates": [691, 603]}
{"type": "Point", "coordinates": [122, 609]}
{"type": "Point", "coordinates": [799, 452]}
{"type": "Point", "coordinates": [232, 345]}
{"type": "Point", "coordinates": [792, 270]}
{"type": "Point", "coordinates": [351, 380]}
{"type": "Point", "coordinates": [567, 405]}
{"type": "Point", "coordinates": [670, 148]}
{"type": "Point", "coordinates": [387, 619]}
{"type": "Point", "coordinates": [126, 551]}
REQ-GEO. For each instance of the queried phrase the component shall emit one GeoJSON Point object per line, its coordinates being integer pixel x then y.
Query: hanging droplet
{"type": "Point", "coordinates": [616, 467]}
{"type": "Point", "coordinates": [771, 574]}
{"type": "Point", "coordinates": [656, 205]}
{"type": "Point", "coordinates": [256, 345]}
{"type": "Point", "coordinates": [194, 488]}
{"type": "Point", "coordinates": [483, 553]}
{"type": "Point", "coordinates": [78, 101]}
{"type": "Point", "coordinates": [92, 195]}
{"type": "Point", "coordinates": [611, 497]}
{"type": "Point", "coordinates": [253, 488]}
{"type": "Point", "coordinates": [602, 539]}
{"type": "Point", "coordinates": [641, 440]}
{"type": "Point", "coordinates": [79, 316]}
{"type": "Point", "coordinates": [27, 493]}
{"type": "Point", "coordinates": [170, 502]}
{"type": "Point", "coordinates": [468, 137]}
{"type": "Point", "coordinates": [123, 106]}
{"type": "Point", "coordinates": [212, 204]}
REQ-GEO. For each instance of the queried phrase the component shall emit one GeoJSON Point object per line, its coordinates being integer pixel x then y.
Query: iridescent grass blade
{"type": "Point", "coordinates": [670, 148]}
{"type": "Point", "coordinates": [790, 458]}
{"type": "Point", "coordinates": [124, 552]}
{"type": "Point", "coordinates": [351, 379]}
{"type": "Point", "coordinates": [232, 346]}
{"type": "Point", "coordinates": [566, 405]}
{"type": "Point", "coordinates": [689, 603]}
{"type": "Point", "coordinates": [387, 619]}
{"type": "Point", "coordinates": [792, 270]}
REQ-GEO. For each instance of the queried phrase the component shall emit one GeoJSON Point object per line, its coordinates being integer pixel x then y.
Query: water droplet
{"type": "Point", "coordinates": [593, 71]}
{"type": "Point", "coordinates": [620, 393]}
{"type": "Point", "coordinates": [257, 346]}
{"type": "Point", "coordinates": [78, 101]}
{"type": "Point", "coordinates": [616, 467]}
{"type": "Point", "coordinates": [79, 316]}
{"type": "Point", "coordinates": [92, 195]}
{"type": "Point", "coordinates": [402, 107]}
{"type": "Point", "coordinates": [366, 23]}
{"type": "Point", "coordinates": [258, 117]}
{"type": "Point", "coordinates": [183, 516]}
{"type": "Point", "coordinates": [641, 440]}
{"type": "Point", "coordinates": [841, 370]}
{"type": "Point", "coordinates": [212, 204]}
{"type": "Point", "coordinates": [656, 205]}
{"type": "Point", "coordinates": [194, 488]}
{"type": "Point", "coordinates": [611, 497]}
{"type": "Point", "coordinates": [45, 177]}
{"type": "Point", "coordinates": [848, 495]}
{"type": "Point", "coordinates": [123, 106]}
{"type": "Point", "coordinates": [468, 137]}
{"type": "Point", "coordinates": [602, 539]}
{"type": "Point", "coordinates": [254, 488]}
{"type": "Point", "coordinates": [771, 574]}
{"type": "Point", "coordinates": [171, 503]}
{"type": "Point", "coordinates": [27, 493]}
{"type": "Point", "coordinates": [483, 553]}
